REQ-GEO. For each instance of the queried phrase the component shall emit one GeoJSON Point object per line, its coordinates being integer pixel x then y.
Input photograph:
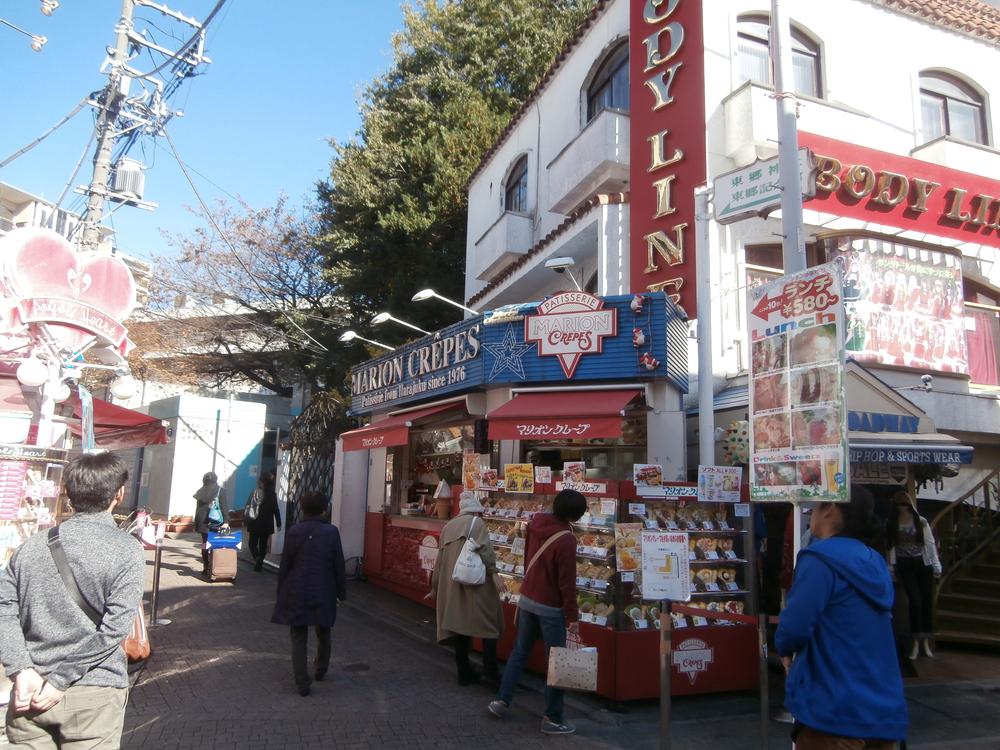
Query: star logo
{"type": "Point", "coordinates": [507, 355]}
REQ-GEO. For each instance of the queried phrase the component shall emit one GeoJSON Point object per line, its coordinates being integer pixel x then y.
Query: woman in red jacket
{"type": "Point", "coordinates": [547, 605]}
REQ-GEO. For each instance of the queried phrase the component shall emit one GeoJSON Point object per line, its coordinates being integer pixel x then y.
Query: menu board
{"type": "Point", "coordinates": [798, 416]}
{"type": "Point", "coordinates": [719, 484]}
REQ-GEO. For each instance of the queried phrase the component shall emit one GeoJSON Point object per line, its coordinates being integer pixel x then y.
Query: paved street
{"type": "Point", "coordinates": [220, 677]}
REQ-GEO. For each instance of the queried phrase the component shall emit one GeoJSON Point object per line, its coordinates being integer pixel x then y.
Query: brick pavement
{"type": "Point", "coordinates": [220, 677]}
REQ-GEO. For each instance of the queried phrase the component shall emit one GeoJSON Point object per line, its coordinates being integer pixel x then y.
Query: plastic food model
{"type": "Point", "coordinates": [627, 560]}
{"type": "Point", "coordinates": [678, 620]}
{"type": "Point", "coordinates": [720, 517]}
{"type": "Point", "coordinates": [727, 575]}
{"type": "Point", "coordinates": [667, 515]}
{"type": "Point", "coordinates": [700, 515]}
{"type": "Point", "coordinates": [733, 606]}
{"type": "Point", "coordinates": [684, 517]}
{"type": "Point", "coordinates": [726, 544]}
{"type": "Point", "coordinates": [692, 545]}
{"type": "Point", "coordinates": [707, 544]}
{"type": "Point", "coordinates": [707, 576]}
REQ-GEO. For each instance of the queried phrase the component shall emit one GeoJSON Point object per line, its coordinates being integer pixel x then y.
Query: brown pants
{"type": "Point", "coordinates": [87, 718]}
{"type": "Point", "coordinates": [810, 739]}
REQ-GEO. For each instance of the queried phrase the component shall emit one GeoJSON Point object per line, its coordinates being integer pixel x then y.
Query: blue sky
{"type": "Point", "coordinates": [256, 124]}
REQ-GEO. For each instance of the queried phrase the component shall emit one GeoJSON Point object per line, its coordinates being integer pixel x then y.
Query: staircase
{"type": "Point", "coordinates": [967, 604]}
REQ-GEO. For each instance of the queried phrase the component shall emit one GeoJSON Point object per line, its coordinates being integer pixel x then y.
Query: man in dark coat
{"type": "Point", "coordinates": [310, 582]}
{"type": "Point", "coordinates": [259, 529]}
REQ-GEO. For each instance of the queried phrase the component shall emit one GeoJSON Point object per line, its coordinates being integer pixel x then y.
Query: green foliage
{"type": "Point", "coordinates": [393, 212]}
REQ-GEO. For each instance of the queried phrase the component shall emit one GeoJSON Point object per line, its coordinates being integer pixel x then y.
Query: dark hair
{"type": "Point", "coordinates": [313, 504]}
{"type": "Point", "coordinates": [569, 505]}
{"type": "Point", "coordinates": [93, 479]}
{"type": "Point", "coordinates": [209, 478]}
{"type": "Point", "coordinates": [860, 521]}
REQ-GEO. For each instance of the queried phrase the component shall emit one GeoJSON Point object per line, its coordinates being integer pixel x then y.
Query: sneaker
{"type": "Point", "coordinates": [552, 727]}
{"type": "Point", "coordinates": [914, 650]}
{"type": "Point", "coordinates": [927, 648]}
{"type": "Point", "coordinates": [498, 708]}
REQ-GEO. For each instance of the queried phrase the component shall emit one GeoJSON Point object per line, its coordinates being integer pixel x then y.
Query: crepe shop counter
{"type": "Point", "coordinates": [613, 616]}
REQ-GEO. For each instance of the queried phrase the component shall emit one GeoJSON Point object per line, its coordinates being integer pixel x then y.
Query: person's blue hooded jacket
{"type": "Point", "coordinates": [845, 679]}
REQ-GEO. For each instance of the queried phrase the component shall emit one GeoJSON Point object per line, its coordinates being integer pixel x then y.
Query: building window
{"type": "Point", "coordinates": [755, 63]}
{"type": "Point", "coordinates": [950, 107]}
{"type": "Point", "coordinates": [609, 87]}
{"type": "Point", "coordinates": [515, 197]}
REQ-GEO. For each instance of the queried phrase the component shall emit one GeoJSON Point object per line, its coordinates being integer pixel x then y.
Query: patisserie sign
{"type": "Point", "coordinates": [569, 325]}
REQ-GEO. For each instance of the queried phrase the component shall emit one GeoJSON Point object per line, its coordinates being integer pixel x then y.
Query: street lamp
{"type": "Point", "coordinates": [348, 336]}
{"type": "Point", "coordinates": [382, 317]}
{"type": "Point", "coordinates": [428, 293]}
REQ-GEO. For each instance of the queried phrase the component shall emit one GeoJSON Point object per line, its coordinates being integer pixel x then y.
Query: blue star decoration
{"type": "Point", "coordinates": [507, 355]}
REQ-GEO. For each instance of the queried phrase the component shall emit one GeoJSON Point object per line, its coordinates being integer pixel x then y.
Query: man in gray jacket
{"type": "Point", "coordinates": [70, 678]}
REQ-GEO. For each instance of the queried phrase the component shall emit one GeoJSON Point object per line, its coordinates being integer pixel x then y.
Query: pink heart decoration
{"type": "Point", "coordinates": [41, 263]}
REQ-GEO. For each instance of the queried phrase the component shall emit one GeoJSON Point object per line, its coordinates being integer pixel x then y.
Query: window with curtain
{"type": "Point", "coordinates": [982, 337]}
{"type": "Point", "coordinates": [755, 63]}
{"type": "Point", "coordinates": [950, 107]}
{"type": "Point", "coordinates": [609, 87]}
{"type": "Point", "coordinates": [516, 187]}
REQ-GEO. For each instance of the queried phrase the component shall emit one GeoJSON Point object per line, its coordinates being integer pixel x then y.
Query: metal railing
{"type": "Point", "coordinates": [967, 526]}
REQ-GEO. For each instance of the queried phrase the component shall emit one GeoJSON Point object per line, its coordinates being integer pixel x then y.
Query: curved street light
{"type": "Point", "coordinates": [348, 336]}
{"type": "Point", "coordinates": [424, 294]}
{"type": "Point", "coordinates": [382, 317]}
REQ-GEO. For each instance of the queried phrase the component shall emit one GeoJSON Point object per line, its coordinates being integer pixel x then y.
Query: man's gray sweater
{"type": "Point", "coordinates": [40, 624]}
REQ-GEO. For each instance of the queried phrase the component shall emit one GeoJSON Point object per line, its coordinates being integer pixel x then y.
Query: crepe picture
{"type": "Point", "coordinates": [816, 385]}
{"type": "Point", "coordinates": [810, 473]}
{"type": "Point", "coordinates": [647, 475]}
{"type": "Point", "coordinates": [816, 427]}
{"type": "Point", "coordinates": [574, 472]}
{"type": "Point", "coordinates": [775, 475]}
{"type": "Point", "coordinates": [814, 344]}
{"type": "Point", "coordinates": [770, 392]}
{"type": "Point", "coordinates": [769, 354]}
{"type": "Point", "coordinates": [770, 432]}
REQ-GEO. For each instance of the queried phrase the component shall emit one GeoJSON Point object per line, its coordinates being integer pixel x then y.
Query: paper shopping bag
{"type": "Point", "coordinates": [570, 669]}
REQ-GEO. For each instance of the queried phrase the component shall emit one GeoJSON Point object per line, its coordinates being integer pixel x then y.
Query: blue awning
{"type": "Point", "coordinates": [910, 453]}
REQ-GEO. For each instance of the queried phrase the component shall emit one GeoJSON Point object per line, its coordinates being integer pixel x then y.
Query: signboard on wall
{"type": "Point", "coordinates": [571, 337]}
{"type": "Point", "coordinates": [667, 143]}
{"type": "Point", "coordinates": [904, 305]}
{"type": "Point", "coordinates": [798, 416]}
{"type": "Point", "coordinates": [900, 191]}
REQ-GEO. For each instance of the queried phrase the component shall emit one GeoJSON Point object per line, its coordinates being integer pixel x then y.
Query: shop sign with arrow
{"type": "Point", "coordinates": [755, 190]}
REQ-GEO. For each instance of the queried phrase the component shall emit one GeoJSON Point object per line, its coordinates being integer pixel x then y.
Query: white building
{"type": "Point", "coordinates": [903, 88]}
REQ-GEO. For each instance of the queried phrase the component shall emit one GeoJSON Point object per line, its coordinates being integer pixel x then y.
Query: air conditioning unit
{"type": "Point", "coordinates": [130, 182]}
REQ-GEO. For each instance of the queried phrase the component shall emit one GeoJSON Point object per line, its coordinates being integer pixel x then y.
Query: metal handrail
{"type": "Point", "coordinates": [982, 529]}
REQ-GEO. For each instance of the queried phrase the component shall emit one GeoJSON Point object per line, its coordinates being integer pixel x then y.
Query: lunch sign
{"type": "Point", "coordinates": [571, 336]}
{"type": "Point", "coordinates": [798, 416]}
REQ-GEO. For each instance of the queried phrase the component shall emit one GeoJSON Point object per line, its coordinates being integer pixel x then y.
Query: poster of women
{"type": "Point", "coordinates": [798, 419]}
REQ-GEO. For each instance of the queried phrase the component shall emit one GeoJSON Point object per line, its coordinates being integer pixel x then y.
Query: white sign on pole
{"type": "Point", "coordinates": [755, 189]}
{"type": "Point", "coordinates": [719, 484]}
{"type": "Point", "coordinates": [666, 571]}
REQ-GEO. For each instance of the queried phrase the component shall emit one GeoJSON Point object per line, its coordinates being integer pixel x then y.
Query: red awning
{"type": "Point", "coordinates": [562, 414]}
{"type": "Point", "coordinates": [392, 431]}
{"type": "Point", "coordinates": [117, 428]}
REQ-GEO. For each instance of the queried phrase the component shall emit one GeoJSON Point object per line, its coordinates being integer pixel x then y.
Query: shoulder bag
{"type": "Point", "coordinates": [215, 517]}
{"type": "Point", "coordinates": [470, 570]}
{"type": "Point", "coordinates": [540, 550]}
{"type": "Point", "coordinates": [136, 643]}
{"type": "Point", "coordinates": [252, 509]}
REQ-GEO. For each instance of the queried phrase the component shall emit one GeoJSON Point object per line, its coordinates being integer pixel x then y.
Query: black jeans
{"type": "Point", "coordinates": [463, 644]}
{"type": "Point", "coordinates": [204, 552]}
{"type": "Point", "coordinates": [300, 648]}
{"type": "Point", "coordinates": [917, 580]}
{"type": "Point", "coordinates": [258, 544]}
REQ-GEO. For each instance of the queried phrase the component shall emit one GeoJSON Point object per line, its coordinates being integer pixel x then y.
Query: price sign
{"type": "Point", "coordinates": [637, 509]}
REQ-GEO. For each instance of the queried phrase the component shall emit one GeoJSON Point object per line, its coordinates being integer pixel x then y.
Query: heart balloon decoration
{"type": "Point", "coordinates": [80, 297]}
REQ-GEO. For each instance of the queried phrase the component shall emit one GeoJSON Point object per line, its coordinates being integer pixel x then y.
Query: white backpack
{"type": "Point", "coordinates": [470, 570]}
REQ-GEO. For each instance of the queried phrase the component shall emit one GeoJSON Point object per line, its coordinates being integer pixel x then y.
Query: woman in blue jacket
{"type": "Point", "coordinates": [310, 582]}
{"type": "Point", "coordinates": [835, 637]}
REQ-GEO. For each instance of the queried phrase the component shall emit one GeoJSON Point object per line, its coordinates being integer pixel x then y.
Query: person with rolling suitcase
{"type": "Point", "coordinates": [209, 515]}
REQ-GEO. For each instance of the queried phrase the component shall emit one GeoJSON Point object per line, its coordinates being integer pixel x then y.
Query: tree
{"type": "Point", "coordinates": [392, 215]}
{"type": "Point", "coordinates": [244, 301]}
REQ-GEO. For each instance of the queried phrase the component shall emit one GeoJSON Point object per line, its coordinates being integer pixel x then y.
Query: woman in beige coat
{"type": "Point", "coordinates": [467, 612]}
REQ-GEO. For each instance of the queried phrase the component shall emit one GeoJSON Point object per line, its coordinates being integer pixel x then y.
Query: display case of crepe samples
{"type": "Point", "coordinates": [716, 553]}
{"type": "Point", "coordinates": [506, 520]}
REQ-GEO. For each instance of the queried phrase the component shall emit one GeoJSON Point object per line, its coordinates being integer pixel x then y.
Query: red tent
{"type": "Point", "coordinates": [116, 427]}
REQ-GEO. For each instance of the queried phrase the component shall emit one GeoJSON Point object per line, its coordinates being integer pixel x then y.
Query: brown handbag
{"type": "Point", "coordinates": [136, 644]}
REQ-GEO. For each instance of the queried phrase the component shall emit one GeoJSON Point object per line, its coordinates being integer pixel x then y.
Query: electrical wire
{"type": "Point", "coordinates": [194, 37]}
{"type": "Point", "coordinates": [225, 239]}
{"type": "Point", "coordinates": [46, 134]}
{"type": "Point", "coordinates": [76, 169]}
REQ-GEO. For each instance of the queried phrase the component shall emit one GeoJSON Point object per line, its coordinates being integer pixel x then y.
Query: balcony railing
{"type": "Point", "coordinates": [595, 161]}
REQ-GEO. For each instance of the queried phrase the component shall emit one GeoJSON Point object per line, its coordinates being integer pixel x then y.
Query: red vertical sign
{"type": "Point", "coordinates": [668, 153]}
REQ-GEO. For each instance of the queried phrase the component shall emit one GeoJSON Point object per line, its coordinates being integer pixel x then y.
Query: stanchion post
{"type": "Point", "coordinates": [154, 619]}
{"type": "Point", "coordinates": [765, 698]}
{"type": "Point", "coordinates": [666, 658]}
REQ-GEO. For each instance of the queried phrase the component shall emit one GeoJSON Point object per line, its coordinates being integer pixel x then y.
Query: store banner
{"type": "Point", "coordinates": [667, 141]}
{"type": "Point", "coordinates": [798, 415]}
{"type": "Point", "coordinates": [904, 305]}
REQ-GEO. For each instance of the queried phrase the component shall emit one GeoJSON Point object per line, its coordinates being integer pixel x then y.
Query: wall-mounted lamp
{"type": "Point", "coordinates": [348, 336]}
{"type": "Point", "coordinates": [424, 294]}
{"type": "Point", "coordinates": [124, 387]}
{"type": "Point", "coordinates": [562, 265]}
{"type": "Point", "coordinates": [382, 317]}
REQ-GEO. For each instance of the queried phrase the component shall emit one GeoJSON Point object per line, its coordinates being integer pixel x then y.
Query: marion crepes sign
{"type": "Point", "coordinates": [80, 298]}
{"type": "Point", "coordinates": [569, 325]}
{"type": "Point", "coordinates": [667, 142]}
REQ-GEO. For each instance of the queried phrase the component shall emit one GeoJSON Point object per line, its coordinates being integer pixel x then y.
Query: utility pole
{"type": "Point", "coordinates": [107, 132]}
{"type": "Point", "coordinates": [124, 115]}
{"type": "Point", "coordinates": [792, 243]}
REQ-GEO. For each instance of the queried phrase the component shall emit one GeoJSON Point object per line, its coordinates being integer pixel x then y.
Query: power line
{"type": "Point", "coordinates": [225, 239]}
{"type": "Point", "coordinates": [46, 134]}
{"type": "Point", "coordinates": [194, 37]}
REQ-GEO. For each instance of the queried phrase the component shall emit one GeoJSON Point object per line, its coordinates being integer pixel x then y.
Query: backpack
{"type": "Point", "coordinates": [252, 510]}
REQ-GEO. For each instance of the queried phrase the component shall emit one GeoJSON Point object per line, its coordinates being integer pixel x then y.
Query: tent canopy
{"type": "Point", "coordinates": [116, 427]}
